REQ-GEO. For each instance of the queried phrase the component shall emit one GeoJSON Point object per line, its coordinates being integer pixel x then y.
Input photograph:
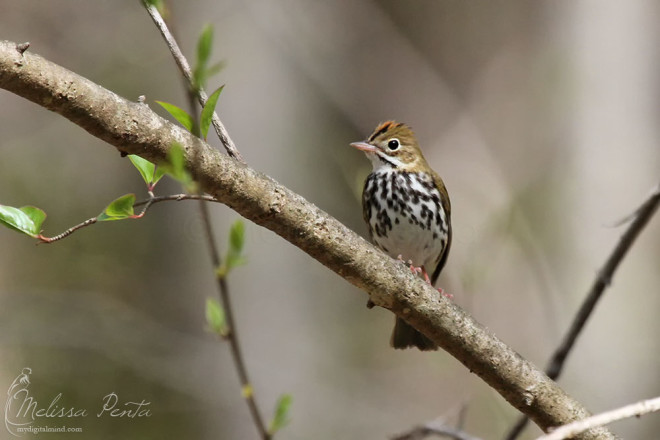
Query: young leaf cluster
{"type": "Point", "coordinates": [281, 415]}
{"type": "Point", "coordinates": [188, 122]}
{"type": "Point", "coordinates": [202, 71]}
{"type": "Point", "coordinates": [215, 317]}
{"type": "Point", "coordinates": [234, 256]}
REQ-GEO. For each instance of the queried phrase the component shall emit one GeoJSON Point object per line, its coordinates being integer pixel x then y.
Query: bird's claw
{"type": "Point", "coordinates": [445, 294]}
{"type": "Point", "coordinates": [418, 270]}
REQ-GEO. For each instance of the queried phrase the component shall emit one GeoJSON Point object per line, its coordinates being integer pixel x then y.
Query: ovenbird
{"type": "Point", "coordinates": [406, 208]}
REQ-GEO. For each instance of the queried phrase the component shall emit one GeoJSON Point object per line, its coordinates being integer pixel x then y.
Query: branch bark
{"type": "Point", "coordinates": [134, 129]}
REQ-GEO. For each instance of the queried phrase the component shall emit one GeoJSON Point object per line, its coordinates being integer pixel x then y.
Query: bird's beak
{"type": "Point", "coordinates": [365, 147]}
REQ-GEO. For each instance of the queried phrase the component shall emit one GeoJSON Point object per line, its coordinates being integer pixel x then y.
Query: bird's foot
{"type": "Point", "coordinates": [414, 269]}
{"type": "Point", "coordinates": [445, 294]}
{"type": "Point", "coordinates": [421, 270]}
{"type": "Point", "coordinates": [426, 275]}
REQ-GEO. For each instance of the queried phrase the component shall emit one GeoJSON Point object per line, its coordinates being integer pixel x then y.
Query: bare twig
{"type": "Point", "coordinates": [71, 230]}
{"type": "Point", "coordinates": [133, 128]}
{"type": "Point", "coordinates": [603, 280]}
{"type": "Point", "coordinates": [439, 427]}
{"type": "Point", "coordinates": [176, 198]}
{"type": "Point", "coordinates": [436, 428]}
{"type": "Point", "coordinates": [184, 66]}
{"type": "Point", "coordinates": [633, 410]}
{"type": "Point", "coordinates": [637, 223]}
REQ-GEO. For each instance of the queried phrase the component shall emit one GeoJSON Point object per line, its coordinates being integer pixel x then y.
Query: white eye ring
{"type": "Point", "coordinates": [393, 144]}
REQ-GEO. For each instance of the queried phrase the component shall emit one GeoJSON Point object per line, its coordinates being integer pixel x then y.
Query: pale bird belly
{"type": "Point", "coordinates": [406, 217]}
{"type": "Point", "coordinates": [422, 246]}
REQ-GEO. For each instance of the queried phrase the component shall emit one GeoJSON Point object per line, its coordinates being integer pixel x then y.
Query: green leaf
{"type": "Point", "coordinates": [233, 261]}
{"type": "Point", "coordinates": [237, 237]}
{"type": "Point", "coordinates": [176, 157]}
{"type": "Point", "coordinates": [179, 114]}
{"type": "Point", "coordinates": [234, 257]}
{"type": "Point", "coordinates": [158, 174]}
{"type": "Point", "coordinates": [156, 3]}
{"type": "Point", "coordinates": [27, 219]}
{"type": "Point", "coordinates": [281, 416]}
{"type": "Point", "coordinates": [214, 69]}
{"type": "Point", "coordinates": [176, 162]}
{"type": "Point", "coordinates": [119, 209]}
{"type": "Point", "coordinates": [145, 167]}
{"type": "Point", "coordinates": [208, 110]}
{"type": "Point", "coordinates": [149, 172]}
{"type": "Point", "coordinates": [204, 45]}
{"type": "Point", "coordinates": [175, 166]}
{"type": "Point", "coordinates": [36, 215]}
{"type": "Point", "coordinates": [215, 317]}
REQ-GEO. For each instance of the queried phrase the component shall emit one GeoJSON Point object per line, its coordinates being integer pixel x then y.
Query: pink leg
{"type": "Point", "coordinates": [426, 275]}
{"type": "Point", "coordinates": [413, 268]}
{"type": "Point", "coordinates": [440, 289]}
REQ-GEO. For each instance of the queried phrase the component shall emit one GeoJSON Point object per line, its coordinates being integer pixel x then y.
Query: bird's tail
{"type": "Point", "coordinates": [405, 336]}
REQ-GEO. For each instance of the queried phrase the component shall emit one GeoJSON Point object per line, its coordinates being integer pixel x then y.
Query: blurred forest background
{"type": "Point", "coordinates": [542, 118]}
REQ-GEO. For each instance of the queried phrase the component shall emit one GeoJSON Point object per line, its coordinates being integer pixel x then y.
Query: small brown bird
{"type": "Point", "coordinates": [406, 207]}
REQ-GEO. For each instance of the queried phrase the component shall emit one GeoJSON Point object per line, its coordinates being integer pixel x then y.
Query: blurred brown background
{"type": "Point", "coordinates": [542, 118]}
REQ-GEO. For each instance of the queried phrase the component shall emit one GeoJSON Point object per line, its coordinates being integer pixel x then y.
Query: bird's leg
{"type": "Point", "coordinates": [414, 269]}
{"type": "Point", "coordinates": [445, 294]}
{"type": "Point", "coordinates": [426, 275]}
{"type": "Point", "coordinates": [439, 289]}
{"type": "Point", "coordinates": [420, 270]}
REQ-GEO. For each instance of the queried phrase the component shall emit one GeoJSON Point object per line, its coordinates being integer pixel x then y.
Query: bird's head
{"type": "Point", "coordinates": [393, 146]}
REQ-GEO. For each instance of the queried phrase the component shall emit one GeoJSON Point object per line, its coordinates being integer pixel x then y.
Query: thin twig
{"type": "Point", "coordinates": [439, 427]}
{"type": "Point", "coordinates": [223, 288]}
{"type": "Point", "coordinates": [633, 410]}
{"type": "Point", "coordinates": [554, 368]}
{"type": "Point", "coordinates": [68, 232]}
{"type": "Point", "coordinates": [147, 204]}
{"type": "Point", "coordinates": [436, 428]}
{"type": "Point", "coordinates": [184, 66]}
{"type": "Point", "coordinates": [232, 335]}
{"type": "Point", "coordinates": [176, 198]}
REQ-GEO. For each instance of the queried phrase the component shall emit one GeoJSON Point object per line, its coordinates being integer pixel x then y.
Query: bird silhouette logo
{"type": "Point", "coordinates": [17, 393]}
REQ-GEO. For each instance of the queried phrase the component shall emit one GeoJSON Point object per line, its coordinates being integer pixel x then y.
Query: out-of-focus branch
{"type": "Point", "coordinates": [633, 410]}
{"type": "Point", "coordinates": [184, 66]}
{"type": "Point", "coordinates": [134, 129]}
{"type": "Point", "coordinates": [232, 335]}
{"type": "Point", "coordinates": [638, 221]}
{"type": "Point", "coordinates": [438, 429]}
{"type": "Point", "coordinates": [196, 92]}
{"type": "Point", "coordinates": [603, 280]}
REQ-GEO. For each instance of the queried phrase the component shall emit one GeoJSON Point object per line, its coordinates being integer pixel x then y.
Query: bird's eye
{"type": "Point", "coordinates": [393, 144]}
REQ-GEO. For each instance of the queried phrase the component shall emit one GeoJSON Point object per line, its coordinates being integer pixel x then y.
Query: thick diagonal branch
{"type": "Point", "coordinates": [133, 128]}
